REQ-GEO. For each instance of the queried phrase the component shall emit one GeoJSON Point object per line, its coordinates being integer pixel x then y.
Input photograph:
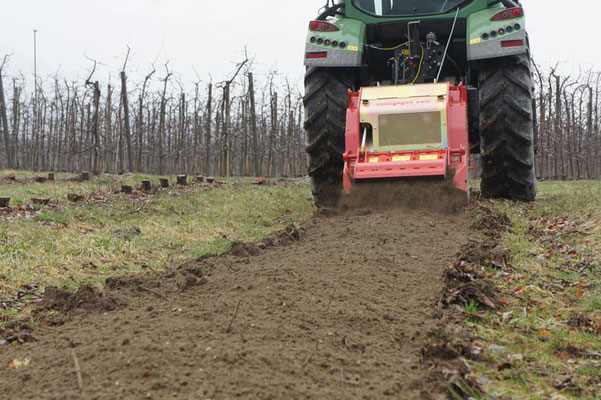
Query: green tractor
{"type": "Point", "coordinates": [482, 44]}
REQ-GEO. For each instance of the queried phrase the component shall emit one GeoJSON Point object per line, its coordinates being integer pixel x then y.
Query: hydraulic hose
{"type": "Point", "coordinates": [509, 3]}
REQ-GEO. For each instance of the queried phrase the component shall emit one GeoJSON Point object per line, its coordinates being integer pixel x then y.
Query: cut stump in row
{"type": "Point", "coordinates": [146, 186]}
{"type": "Point", "coordinates": [182, 180]}
{"type": "Point", "coordinates": [72, 197]}
{"type": "Point", "coordinates": [40, 201]}
{"type": "Point", "coordinates": [200, 179]}
{"type": "Point", "coordinates": [4, 201]}
{"type": "Point", "coordinates": [164, 182]}
{"type": "Point", "coordinates": [210, 179]}
{"type": "Point", "coordinates": [127, 189]}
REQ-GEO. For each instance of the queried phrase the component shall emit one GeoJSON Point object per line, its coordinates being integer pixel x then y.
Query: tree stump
{"type": "Point", "coordinates": [11, 176]}
{"type": "Point", "coordinates": [75, 197]}
{"type": "Point", "coordinates": [4, 202]}
{"type": "Point", "coordinates": [51, 176]}
{"type": "Point", "coordinates": [164, 182]}
{"type": "Point", "coordinates": [146, 186]}
{"type": "Point", "coordinates": [182, 180]}
{"type": "Point", "coordinates": [211, 179]}
{"type": "Point", "coordinates": [85, 176]}
{"type": "Point", "coordinates": [40, 179]}
{"type": "Point", "coordinates": [200, 179]}
{"type": "Point", "coordinates": [127, 189]}
{"type": "Point", "coordinates": [40, 201]}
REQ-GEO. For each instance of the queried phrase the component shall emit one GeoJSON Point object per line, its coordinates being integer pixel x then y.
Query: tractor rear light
{"type": "Point", "coordinates": [322, 26]}
{"type": "Point", "coordinates": [318, 54]}
{"type": "Point", "coordinates": [512, 43]}
{"type": "Point", "coordinates": [509, 13]}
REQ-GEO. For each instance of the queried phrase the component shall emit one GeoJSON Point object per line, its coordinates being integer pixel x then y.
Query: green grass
{"type": "Point", "coordinates": [75, 243]}
{"type": "Point", "coordinates": [553, 295]}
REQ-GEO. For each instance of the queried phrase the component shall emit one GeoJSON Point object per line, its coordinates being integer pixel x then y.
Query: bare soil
{"type": "Point", "coordinates": [340, 309]}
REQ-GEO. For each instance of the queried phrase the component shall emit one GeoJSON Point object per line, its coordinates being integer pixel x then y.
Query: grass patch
{"type": "Point", "coordinates": [551, 327]}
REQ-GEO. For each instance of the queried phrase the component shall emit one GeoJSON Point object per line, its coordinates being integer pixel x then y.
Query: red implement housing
{"type": "Point", "coordinates": [407, 132]}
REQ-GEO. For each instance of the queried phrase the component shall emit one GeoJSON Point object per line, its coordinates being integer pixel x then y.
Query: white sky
{"type": "Point", "coordinates": [211, 35]}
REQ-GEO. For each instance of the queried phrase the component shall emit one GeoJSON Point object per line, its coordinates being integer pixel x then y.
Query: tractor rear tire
{"type": "Point", "coordinates": [326, 102]}
{"type": "Point", "coordinates": [507, 129]}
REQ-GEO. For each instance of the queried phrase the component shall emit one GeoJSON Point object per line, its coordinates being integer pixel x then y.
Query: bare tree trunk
{"type": "Point", "coordinates": [4, 117]}
{"type": "Point", "coordinates": [208, 121]}
{"type": "Point", "coordinates": [126, 124]}
{"type": "Point", "coordinates": [253, 124]}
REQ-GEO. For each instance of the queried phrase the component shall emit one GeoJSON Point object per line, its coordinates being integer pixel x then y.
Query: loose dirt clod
{"type": "Point", "coordinates": [85, 297]}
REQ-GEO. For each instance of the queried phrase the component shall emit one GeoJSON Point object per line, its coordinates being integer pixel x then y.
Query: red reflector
{"type": "Point", "coordinates": [319, 54]}
{"type": "Point", "coordinates": [322, 26]}
{"type": "Point", "coordinates": [509, 13]}
{"type": "Point", "coordinates": [512, 43]}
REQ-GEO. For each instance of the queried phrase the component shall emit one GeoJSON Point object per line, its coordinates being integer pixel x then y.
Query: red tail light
{"type": "Point", "coordinates": [322, 26]}
{"type": "Point", "coordinates": [319, 54]}
{"type": "Point", "coordinates": [512, 43]}
{"type": "Point", "coordinates": [509, 13]}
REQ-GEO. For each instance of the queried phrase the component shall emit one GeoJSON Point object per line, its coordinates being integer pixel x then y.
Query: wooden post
{"type": "Point", "coordinates": [127, 189]}
{"type": "Point", "coordinates": [182, 180]}
{"type": "Point", "coordinates": [51, 176]}
{"type": "Point", "coordinates": [4, 202]}
{"type": "Point", "coordinates": [164, 182]}
{"type": "Point", "coordinates": [146, 186]}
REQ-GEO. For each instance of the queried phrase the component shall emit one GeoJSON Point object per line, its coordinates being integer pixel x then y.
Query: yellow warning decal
{"type": "Point", "coordinates": [429, 157]}
{"type": "Point", "coordinates": [353, 48]}
{"type": "Point", "coordinates": [401, 158]}
{"type": "Point", "coordinates": [475, 41]}
{"type": "Point", "coordinates": [374, 159]}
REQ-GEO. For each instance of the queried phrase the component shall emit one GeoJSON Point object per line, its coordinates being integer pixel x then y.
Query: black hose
{"type": "Point", "coordinates": [509, 3]}
{"type": "Point", "coordinates": [330, 12]}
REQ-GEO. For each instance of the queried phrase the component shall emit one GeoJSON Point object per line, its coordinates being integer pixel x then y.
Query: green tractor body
{"type": "Point", "coordinates": [482, 44]}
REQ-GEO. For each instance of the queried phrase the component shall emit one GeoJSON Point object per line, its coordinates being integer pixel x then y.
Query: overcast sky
{"type": "Point", "coordinates": [211, 35]}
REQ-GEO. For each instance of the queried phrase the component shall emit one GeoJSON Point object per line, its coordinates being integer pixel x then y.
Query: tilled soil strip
{"type": "Point", "coordinates": [341, 313]}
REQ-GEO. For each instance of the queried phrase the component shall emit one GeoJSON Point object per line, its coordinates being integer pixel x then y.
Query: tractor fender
{"type": "Point", "coordinates": [493, 39]}
{"type": "Point", "coordinates": [341, 48]}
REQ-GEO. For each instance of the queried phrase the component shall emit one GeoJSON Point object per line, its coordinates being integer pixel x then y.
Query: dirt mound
{"type": "Point", "coordinates": [336, 310]}
{"type": "Point", "coordinates": [466, 284]}
{"type": "Point", "coordinates": [86, 297]}
{"type": "Point", "coordinates": [428, 195]}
